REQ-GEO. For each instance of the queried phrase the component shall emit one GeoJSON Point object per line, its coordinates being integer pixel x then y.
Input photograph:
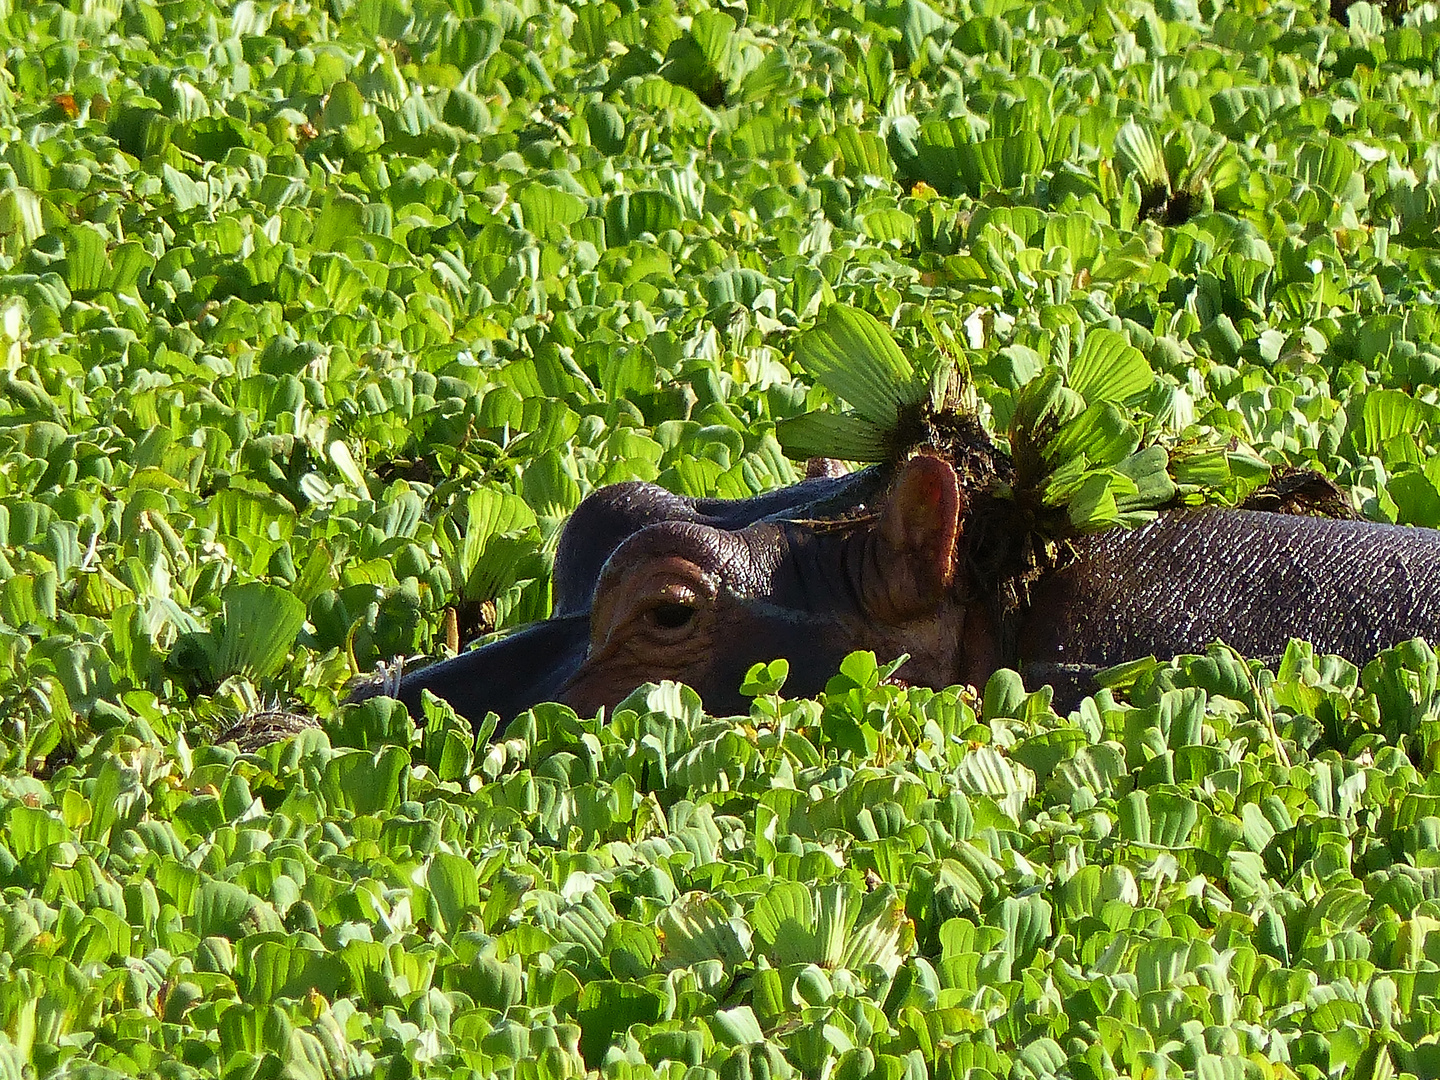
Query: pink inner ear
{"type": "Point", "coordinates": [922, 520]}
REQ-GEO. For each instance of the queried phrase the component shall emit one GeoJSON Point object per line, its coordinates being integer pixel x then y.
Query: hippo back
{"type": "Point", "coordinates": [1251, 579]}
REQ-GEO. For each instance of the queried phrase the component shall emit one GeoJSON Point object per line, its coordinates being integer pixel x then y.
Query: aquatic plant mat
{"type": "Point", "coordinates": [318, 320]}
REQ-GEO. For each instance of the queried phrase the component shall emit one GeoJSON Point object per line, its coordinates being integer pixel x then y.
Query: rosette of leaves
{"type": "Point", "coordinates": [1076, 444]}
{"type": "Point", "coordinates": [259, 625]}
{"type": "Point", "coordinates": [834, 925]}
{"type": "Point", "coordinates": [1176, 176]}
{"type": "Point", "coordinates": [1075, 436]}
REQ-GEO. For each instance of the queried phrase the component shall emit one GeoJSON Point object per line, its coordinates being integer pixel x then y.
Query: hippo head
{"type": "Point", "coordinates": [651, 586]}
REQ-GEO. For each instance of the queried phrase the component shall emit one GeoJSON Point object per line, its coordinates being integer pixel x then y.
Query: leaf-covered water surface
{"type": "Point", "coordinates": [317, 320]}
{"type": "Point", "coordinates": [1193, 882]}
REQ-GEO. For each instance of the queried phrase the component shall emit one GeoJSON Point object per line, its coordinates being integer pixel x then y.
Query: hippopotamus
{"type": "Point", "coordinates": [905, 559]}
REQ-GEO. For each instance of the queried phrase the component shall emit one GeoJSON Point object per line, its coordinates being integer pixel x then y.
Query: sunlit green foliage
{"type": "Point", "coordinates": [318, 318]}
{"type": "Point", "coordinates": [897, 883]}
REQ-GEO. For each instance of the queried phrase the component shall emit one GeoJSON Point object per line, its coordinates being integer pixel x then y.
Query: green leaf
{"type": "Point", "coordinates": [345, 106]}
{"type": "Point", "coordinates": [275, 969]}
{"type": "Point", "coordinates": [631, 216]}
{"type": "Point", "coordinates": [20, 215]}
{"type": "Point", "coordinates": [489, 558]}
{"type": "Point", "coordinates": [365, 783]}
{"type": "Point", "coordinates": [1330, 165]}
{"type": "Point", "coordinates": [1101, 433]}
{"type": "Point", "coordinates": [865, 155]}
{"type": "Point", "coordinates": [784, 919]}
{"type": "Point", "coordinates": [697, 928]}
{"type": "Point", "coordinates": [985, 771]}
{"type": "Point", "coordinates": [1025, 921]}
{"type": "Point", "coordinates": [608, 1008]}
{"type": "Point", "coordinates": [261, 623]}
{"type": "Point", "coordinates": [606, 127]}
{"type": "Point", "coordinates": [737, 1027]}
{"type": "Point", "coordinates": [1044, 406]}
{"type": "Point", "coordinates": [881, 935]}
{"type": "Point", "coordinates": [550, 486]}
{"type": "Point", "coordinates": [1138, 154]}
{"type": "Point", "coordinates": [86, 267]}
{"type": "Point", "coordinates": [631, 950]}
{"type": "Point", "coordinates": [549, 212]}
{"type": "Point", "coordinates": [129, 262]}
{"type": "Point", "coordinates": [1094, 506]}
{"type": "Point", "coordinates": [1005, 163]}
{"type": "Point", "coordinates": [1387, 414]}
{"type": "Point", "coordinates": [844, 436]}
{"type": "Point", "coordinates": [341, 217]}
{"type": "Point", "coordinates": [1416, 499]}
{"type": "Point", "coordinates": [344, 463]}
{"type": "Point", "coordinates": [1148, 471]}
{"type": "Point", "coordinates": [225, 910]}
{"type": "Point", "coordinates": [1109, 368]}
{"type": "Point", "coordinates": [851, 354]}
{"type": "Point", "coordinates": [916, 21]}
{"type": "Point", "coordinates": [763, 678]}
{"type": "Point", "coordinates": [454, 888]}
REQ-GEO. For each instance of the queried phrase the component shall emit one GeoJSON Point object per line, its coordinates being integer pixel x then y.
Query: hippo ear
{"type": "Point", "coordinates": [917, 533]}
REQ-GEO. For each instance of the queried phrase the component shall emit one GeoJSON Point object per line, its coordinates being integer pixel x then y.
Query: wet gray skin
{"type": "Point", "coordinates": [650, 586]}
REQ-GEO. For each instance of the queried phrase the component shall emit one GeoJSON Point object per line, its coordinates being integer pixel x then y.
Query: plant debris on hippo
{"type": "Point", "coordinates": [921, 556]}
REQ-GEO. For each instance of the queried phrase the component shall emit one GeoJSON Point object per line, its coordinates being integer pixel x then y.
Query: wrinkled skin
{"type": "Point", "coordinates": [652, 586]}
{"type": "Point", "coordinates": [1251, 579]}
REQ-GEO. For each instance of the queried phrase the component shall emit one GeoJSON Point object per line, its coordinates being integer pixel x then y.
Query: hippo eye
{"type": "Point", "coordinates": [671, 616]}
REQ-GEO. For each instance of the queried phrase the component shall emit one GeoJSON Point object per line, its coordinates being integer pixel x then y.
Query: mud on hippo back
{"type": "Point", "coordinates": [651, 586]}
